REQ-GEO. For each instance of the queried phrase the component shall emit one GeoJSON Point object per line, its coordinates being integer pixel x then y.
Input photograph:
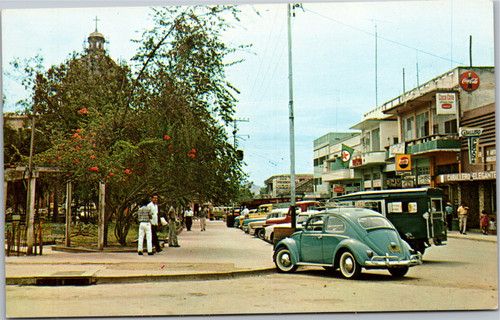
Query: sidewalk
{"type": "Point", "coordinates": [473, 235]}
{"type": "Point", "coordinates": [218, 253]}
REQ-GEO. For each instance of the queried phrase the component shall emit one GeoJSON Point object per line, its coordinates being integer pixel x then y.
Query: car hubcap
{"type": "Point", "coordinates": [348, 265]}
{"type": "Point", "coordinates": [285, 259]}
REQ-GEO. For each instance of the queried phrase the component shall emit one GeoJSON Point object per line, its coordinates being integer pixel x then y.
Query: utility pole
{"type": "Point", "coordinates": [291, 116]}
{"type": "Point", "coordinates": [235, 130]}
{"type": "Point", "coordinates": [30, 201]}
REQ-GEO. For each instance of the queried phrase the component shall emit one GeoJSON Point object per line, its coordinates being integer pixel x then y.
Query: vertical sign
{"type": "Point", "coordinates": [472, 134]}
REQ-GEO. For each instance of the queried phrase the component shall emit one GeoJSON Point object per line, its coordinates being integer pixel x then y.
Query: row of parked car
{"type": "Point", "coordinates": [343, 238]}
{"type": "Point", "coordinates": [261, 222]}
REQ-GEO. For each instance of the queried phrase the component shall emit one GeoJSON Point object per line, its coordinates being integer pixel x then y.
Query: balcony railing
{"type": "Point", "coordinates": [434, 143]}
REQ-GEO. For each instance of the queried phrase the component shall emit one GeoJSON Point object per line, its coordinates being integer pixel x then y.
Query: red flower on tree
{"type": "Point", "coordinates": [166, 137]}
{"type": "Point", "coordinates": [127, 171]}
{"type": "Point", "coordinates": [82, 111]}
{"type": "Point", "coordinates": [94, 169]}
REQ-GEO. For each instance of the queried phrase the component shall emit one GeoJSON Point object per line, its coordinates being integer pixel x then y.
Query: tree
{"type": "Point", "coordinates": [159, 129]}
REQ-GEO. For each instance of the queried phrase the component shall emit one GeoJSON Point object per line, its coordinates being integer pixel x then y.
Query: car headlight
{"type": "Point", "coordinates": [369, 253]}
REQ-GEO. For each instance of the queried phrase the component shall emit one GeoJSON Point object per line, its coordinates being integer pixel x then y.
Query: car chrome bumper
{"type": "Point", "coordinates": [394, 261]}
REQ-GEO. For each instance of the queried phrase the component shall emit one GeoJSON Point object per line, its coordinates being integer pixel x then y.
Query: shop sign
{"type": "Point", "coordinates": [446, 103]}
{"type": "Point", "coordinates": [395, 149]}
{"type": "Point", "coordinates": [481, 175]}
{"type": "Point", "coordinates": [339, 189]}
{"type": "Point", "coordinates": [472, 134]}
{"type": "Point", "coordinates": [393, 183]}
{"type": "Point", "coordinates": [403, 162]}
{"type": "Point", "coordinates": [469, 81]}
{"type": "Point", "coordinates": [467, 132]}
{"type": "Point", "coordinates": [424, 179]}
{"type": "Point", "coordinates": [407, 184]}
{"type": "Point", "coordinates": [352, 189]}
{"type": "Point", "coordinates": [357, 161]}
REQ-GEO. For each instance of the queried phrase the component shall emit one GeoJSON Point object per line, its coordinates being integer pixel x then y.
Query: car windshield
{"type": "Point", "coordinates": [374, 222]}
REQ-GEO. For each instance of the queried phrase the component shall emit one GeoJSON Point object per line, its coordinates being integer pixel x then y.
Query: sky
{"type": "Point", "coordinates": [347, 58]}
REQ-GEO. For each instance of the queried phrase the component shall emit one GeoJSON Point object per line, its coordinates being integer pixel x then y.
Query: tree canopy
{"type": "Point", "coordinates": [157, 125]}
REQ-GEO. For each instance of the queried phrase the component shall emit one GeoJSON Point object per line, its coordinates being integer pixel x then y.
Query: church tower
{"type": "Point", "coordinates": [96, 39]}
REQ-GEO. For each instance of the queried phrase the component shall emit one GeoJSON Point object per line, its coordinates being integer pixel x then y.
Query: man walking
{"type": "Point", "coordinates": [153, 207]}
{"type": "Point", "coordinates": [449, 215]}
{"type": "Point", "coordinates": [188, 215]}
{"type": "Point", "coordinates": [144, 218]}
{"type": "Point", "coordinates": [462, 211]}
{"type": "Point", "coordinates": [203, 218]}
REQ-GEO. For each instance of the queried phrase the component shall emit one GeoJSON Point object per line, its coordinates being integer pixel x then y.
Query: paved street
{"type": "Point", "coordinates": [462, 275]}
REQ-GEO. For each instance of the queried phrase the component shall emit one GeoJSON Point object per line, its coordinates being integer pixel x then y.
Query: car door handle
{"type": "Point", "coordinates": [320, 237]}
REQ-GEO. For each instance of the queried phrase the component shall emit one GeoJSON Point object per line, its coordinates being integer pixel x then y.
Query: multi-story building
{"type": "Point", "coordinates": [445, 132]}
{"type": "Point", "coordinates": [431, 121]}
{"type": "Point", "coordinates": [377, 133]}
{"type": "Point", "coordinates": [279, 185]}
{"type": "Point", "coordinates": [330, 176]}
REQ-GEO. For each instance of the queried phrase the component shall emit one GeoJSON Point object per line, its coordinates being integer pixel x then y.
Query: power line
{"type": "Point", "coordinates": [383, 38]}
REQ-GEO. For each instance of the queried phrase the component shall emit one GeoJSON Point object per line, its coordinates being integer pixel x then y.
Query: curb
{"type": "Point", "coordinates": [95, 279]}
{"type": "Point", "coordinates": [491, 239]}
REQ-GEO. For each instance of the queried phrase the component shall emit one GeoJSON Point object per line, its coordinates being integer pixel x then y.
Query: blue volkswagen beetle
{"type": "Point", "coordinates": [348, 239]}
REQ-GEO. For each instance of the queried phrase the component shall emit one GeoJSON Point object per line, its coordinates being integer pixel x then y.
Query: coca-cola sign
{"type": "Point", "coordinates": [469, 81]}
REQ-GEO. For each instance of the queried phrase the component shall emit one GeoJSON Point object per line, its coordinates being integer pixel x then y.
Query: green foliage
{"type": "Point", "coordinates": [159, 129]}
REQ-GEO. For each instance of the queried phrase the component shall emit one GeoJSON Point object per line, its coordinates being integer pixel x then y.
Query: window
{"type": "Point", "coordinates": [423, 125]}
{"type": "Point", "coordinates": [374, 222]}
{"type": "Point", "coordinates": [408, 130]}
{"type": "Point", "coordinates": [335, 224]}
{"type": "Point", "coordinates": [376, 140]}
{"type": "Point", "coordinates": [450, 126]}
{"type": "Point", "coordinates": [436, 206]}
{"type": "Point", "coordinates": [315, 224]}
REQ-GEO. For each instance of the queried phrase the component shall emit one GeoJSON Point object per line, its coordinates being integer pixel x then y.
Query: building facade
{"type": "Point", "coordinates": [279, 185]}
{"type": "Point", "coordinates": [440, 134]}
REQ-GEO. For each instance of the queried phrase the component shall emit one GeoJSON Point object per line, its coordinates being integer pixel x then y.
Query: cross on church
{"type": "Point", "coordinates": [96, 22]}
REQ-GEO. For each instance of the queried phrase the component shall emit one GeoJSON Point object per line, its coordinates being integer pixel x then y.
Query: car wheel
{"type": "Point", "coordinates": [398, 272]}
{"type": "Point", "coordinates": [261, 233]}
{"type": "Point", "coordinates": [283, 260]}
{"type": "Point", "coordinates": [349, 267]}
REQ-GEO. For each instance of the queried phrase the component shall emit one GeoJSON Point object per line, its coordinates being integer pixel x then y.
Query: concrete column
{"type": "Point", "coordinates": [100, 217]}
{"type": "Point", "coordinates": [482, 198]}
{"type": "Point", "coordinates": [30, 212]}
{"type": "Point", "coordinates": [69, 199]}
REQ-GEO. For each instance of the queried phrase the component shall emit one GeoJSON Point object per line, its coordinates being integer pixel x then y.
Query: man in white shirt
{"type": "Point", "coordinates": [188, 215]}
{"type": "Point", "coordinates": [153, 206]}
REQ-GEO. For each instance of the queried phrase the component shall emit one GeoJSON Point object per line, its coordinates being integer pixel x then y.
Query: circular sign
{"type": "Point", "coordinates": [469, 81]}
{"type": "Point", "coordinates": [404, 162]}
{"type": "Point", "coordinates": [338, 189]}
{"type": "Point", "coordinates": [346, 156]}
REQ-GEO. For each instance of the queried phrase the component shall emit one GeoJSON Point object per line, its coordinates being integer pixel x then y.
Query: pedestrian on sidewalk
{"type": "Point", "coordinates": [203, 218]}
{"type": "Point", "coordinates": [462, 211]}
{"type": "Point", "coordinates": [449, 215]}
{"type": "Point", "coordinates": [144, 218]}
{"type": "Point", "coordinates": [172, 228]}
{"type": "Point", "coordinates": [485, 222]}
{"type": "Point", "coordinates": [188, 216]}
{"type": "Point", "coordinates": [153, 206]}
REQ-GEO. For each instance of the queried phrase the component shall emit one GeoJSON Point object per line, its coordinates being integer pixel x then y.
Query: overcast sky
{"type": "Point", "coordinates": [333, 60]}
